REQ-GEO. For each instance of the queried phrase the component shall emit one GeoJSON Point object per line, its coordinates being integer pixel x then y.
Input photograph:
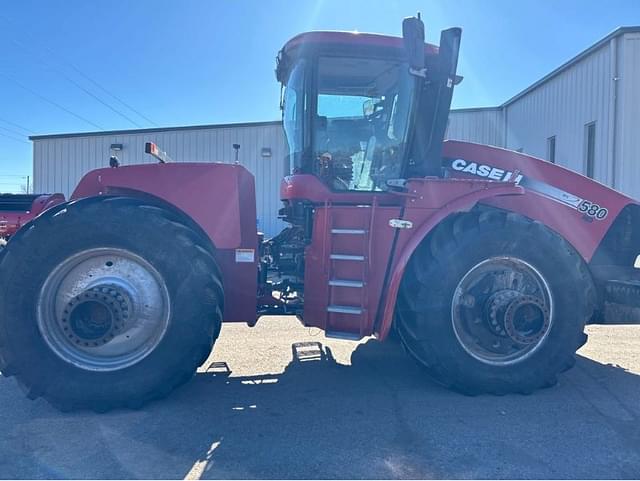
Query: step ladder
{"type": "Point", "coordinates": [354, 287]}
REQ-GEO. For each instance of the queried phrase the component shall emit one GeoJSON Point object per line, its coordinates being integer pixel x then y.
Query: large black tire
{"type": "Point", "coordinates": [425, 318]}
{"type": "Point", "coordinates": [182, 257]}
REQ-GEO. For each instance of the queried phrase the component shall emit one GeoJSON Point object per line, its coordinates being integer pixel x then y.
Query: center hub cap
{"type": "Point", "coordinates": [521, 317]}
{"type": "Point", "coordinates": [526, 319]}
{"type": "Point", "coordinates": [95, 316]}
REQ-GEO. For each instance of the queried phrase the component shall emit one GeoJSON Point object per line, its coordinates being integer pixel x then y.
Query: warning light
{"type": "Point", "coordinates": [153, 150]}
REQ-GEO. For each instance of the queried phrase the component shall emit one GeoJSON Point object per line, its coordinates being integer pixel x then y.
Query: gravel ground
{"type": "Point", "coordinates": [338, 409]}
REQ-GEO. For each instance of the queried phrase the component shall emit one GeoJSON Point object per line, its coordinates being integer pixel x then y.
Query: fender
{"type": "Point", "coordinates": [578, 208]}
{"type": "Point", "coordinates": [219, 197]}
{"type": "Point", "coordinates": [406, 246]}
{"type": "Point", "coordinates": [158, 202]}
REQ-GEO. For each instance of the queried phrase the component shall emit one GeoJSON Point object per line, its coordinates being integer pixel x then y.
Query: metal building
{"type": "Point", "coordinates": [583, 115]}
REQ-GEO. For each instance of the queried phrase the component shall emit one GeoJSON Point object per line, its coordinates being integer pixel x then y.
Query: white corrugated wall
{"type": "Point", "coordinates": [627, 154]}
{"type": "Point", "coordinates": [562, 107]}
{"type": "Point", "coordinates": [60, 162]}
{"type": "Point", "coordinates": [483, 126]}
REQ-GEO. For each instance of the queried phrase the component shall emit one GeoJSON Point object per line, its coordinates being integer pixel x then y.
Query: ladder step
{"type": "Point", "coordinates": [345, 283]}
{"type": "Point", "coordinates": [347, 336]}
{"type": "Point", "coordinates": [349, 231]}
{"type": "Point", "coordinates": [344, 309]}
{"type": "Point", "coordinates": [345, 257]}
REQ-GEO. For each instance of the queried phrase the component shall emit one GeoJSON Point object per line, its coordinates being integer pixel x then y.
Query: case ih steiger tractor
{"type": "Point", "coordinates": [488, 263]}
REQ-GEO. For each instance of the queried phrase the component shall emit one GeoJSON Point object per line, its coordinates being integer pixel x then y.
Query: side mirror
{"type": "Point", "coordinates": [368, 107]}
{"type": "Point", "coordinates": [413, 36]}
{"type": "Point", "coordinates": [371, 106]}
{"type": "Point", "coordinates": [448, 53]}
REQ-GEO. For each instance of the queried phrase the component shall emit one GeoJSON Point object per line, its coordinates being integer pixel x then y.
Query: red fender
{"type": "Point", "coordinates": [556, 196]}
{"type": "Point", "coordinates": [408, 245]}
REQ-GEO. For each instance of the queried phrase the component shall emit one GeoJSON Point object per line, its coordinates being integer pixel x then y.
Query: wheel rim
{"type": "Point", "coordinates": [502, 310]}
{"type": "Point", "coordinates": [103, 309]}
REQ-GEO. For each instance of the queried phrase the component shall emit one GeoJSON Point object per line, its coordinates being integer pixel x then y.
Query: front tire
{"type": "Point", "coordinates": [493, 302]}
{"type": "Point", "coordinates": [110, 302]}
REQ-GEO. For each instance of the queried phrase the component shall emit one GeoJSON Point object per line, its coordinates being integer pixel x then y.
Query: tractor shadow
{"type": "Point", "coordinates": [380, 417]}
{"type": "Point", "coordinates": [376, 418]}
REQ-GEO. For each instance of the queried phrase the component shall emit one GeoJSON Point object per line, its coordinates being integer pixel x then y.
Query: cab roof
{"type": "Point", "coordinates": [318, 38]}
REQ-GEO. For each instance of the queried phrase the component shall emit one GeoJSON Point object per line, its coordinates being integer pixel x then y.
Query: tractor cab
{"type": "Point", "coordinates": [362, 113]}
{"type": "Point", "coordinates": [352, 104]}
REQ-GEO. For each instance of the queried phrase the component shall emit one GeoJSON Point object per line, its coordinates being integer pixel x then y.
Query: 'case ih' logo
{"type": "Point", "coordinates": [590, 210]}
{"type": "Point", "coordinates": [482, 170]}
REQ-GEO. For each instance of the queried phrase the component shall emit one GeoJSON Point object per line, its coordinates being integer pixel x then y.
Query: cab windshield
{"type": "Point", "coordinates": [360, 127]}
{"type": "Point", "coordinates": [358, 124]}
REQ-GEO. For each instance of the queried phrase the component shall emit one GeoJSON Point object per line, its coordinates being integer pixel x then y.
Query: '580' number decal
{"type": "Point", "coordinates": [593, 210]}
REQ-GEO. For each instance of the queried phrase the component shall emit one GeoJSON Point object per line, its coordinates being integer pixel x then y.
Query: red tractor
{"type": "Point", "coordinates": [488, 263]}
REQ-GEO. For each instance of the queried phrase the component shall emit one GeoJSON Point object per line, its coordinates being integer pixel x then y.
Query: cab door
{"type": "Point", "coordinates": [357, 144]}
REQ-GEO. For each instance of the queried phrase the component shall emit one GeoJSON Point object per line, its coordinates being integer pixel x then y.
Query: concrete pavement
{"type": "Point", "coordinates": [337, 409]}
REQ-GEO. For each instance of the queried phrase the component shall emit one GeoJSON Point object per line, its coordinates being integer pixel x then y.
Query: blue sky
{"type": "Point", "coordinates": [194, 62]}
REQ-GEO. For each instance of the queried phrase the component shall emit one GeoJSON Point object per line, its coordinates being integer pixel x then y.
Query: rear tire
{"type": "Point", "coordinates": [493, 302]}
{"type": "Point", "coordinates": [111, 302]}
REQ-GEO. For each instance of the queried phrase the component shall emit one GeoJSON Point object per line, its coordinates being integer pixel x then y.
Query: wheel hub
{"type": "Point", "coordinates": [497, 305]}
{"type": "Point", "coordinates": [95, 316]}
{"type": "Point", "coordinates": [523, 318]}
{"type": "Point", "coordinates": [103, 309]}
{"type": "Point", "coordinates": [511, 312]}
{"type": "Point", "coordinates": [526, 319]}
